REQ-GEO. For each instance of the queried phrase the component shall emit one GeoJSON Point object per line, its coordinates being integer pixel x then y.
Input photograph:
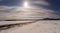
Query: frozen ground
{"type": "Point", "coordinates": [37, 27]}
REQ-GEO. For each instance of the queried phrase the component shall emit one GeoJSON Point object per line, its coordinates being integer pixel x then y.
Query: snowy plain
{"type": "Point", "coordinates": [45, 26]}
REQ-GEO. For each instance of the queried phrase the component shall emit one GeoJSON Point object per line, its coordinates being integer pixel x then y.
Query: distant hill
{"type": "Point", "coordinates": [30, 19]}
{"type": "Point", "coordinates": [51, 19]}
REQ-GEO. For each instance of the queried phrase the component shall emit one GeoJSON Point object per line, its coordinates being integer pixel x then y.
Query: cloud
{"type": "Point", "coordinates": [31, 13]}
{"type": "Point", "coordinates": [41, 2]}
{"type": "Point", "coordinates": [6, 8]}
{"type": "Point", "coordinates": [5, 11]}
{"type": "Point", "coordinates": [18, 12]}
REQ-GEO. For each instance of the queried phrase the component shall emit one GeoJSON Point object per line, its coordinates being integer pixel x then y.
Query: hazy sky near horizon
{"type": "Point", "coordinates": [42, 8]}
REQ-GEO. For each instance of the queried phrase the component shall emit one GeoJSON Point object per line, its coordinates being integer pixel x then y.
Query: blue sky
{"type": "Point", "coordinates": [10, 2]}
{"type": "Point", "coordinates": [54, 4]}
{"type": "Point", "coordinates": [8, 5]}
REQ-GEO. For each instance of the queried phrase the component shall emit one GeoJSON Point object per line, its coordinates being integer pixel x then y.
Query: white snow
{"type": "Point", "coordinates": [37, 27]}
{"type": "Point", "coordinates": [12, 22]}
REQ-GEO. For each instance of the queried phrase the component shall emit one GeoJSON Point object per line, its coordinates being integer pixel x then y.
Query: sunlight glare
{"type": "Point", "coordinates": [26, 4]}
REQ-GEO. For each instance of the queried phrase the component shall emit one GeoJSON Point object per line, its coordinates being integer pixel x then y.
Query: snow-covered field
{"type": "Point", "coordinates": [37, 27]}
{"type": "Point", "coordinates": [12, 22]}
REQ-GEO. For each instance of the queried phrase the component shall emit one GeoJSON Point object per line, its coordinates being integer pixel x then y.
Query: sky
{"type": "Point", "coordinates": [37, 9]}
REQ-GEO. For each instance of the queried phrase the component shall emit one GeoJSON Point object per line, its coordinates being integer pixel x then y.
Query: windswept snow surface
{"type": "Point", "coordinates": [37, 27]}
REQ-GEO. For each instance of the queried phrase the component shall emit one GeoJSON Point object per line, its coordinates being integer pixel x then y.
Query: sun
{"type": "Point", "coordinates": [26, 5]}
